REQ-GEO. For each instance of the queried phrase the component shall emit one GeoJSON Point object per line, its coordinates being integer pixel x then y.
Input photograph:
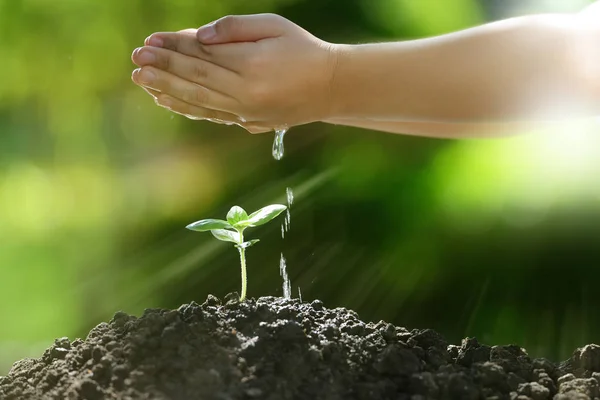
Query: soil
{"type": "Point", "coordinates": [277, 349]}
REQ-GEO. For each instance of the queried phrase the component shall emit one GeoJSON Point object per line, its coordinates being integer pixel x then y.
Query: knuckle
{"type": "Point", "coordinates": [204, 50]}
{"type": "Point", "coordinates": [199, 72]}
{"type": "Point", "coordinates": [170, 42]}
{"type": "Point", "coordinates": [197, 96]}
{"type": "Point", "coordinates": [165, 61]}
{"type": "Point", "coordinates": [229, 24]}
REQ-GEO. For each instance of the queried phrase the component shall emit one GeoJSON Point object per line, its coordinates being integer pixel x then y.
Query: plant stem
{"type": "Point", "coordinates": [243, 265]}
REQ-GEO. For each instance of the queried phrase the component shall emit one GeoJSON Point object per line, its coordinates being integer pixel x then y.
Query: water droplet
{"type": "Point", "coordinates": [287, 220]}
{"type": "Point", "coordinates": [287, 286]}
{"type": "Point", "coordinates": [299, 294]}
{"type": "Point", "coordinates": [288, 217]}
{"type": "Point", "coordinates": [282, 232]}
{"type": "Point", "coordinates": [278, 143]}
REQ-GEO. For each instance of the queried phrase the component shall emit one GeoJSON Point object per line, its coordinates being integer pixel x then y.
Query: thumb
{"type": "Point", "coordinates": [241, 28]}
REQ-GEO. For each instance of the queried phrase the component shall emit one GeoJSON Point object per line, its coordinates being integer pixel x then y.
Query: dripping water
{"type": "Point", "coordinates": [286, 220]}
{"type": "Point", "coordinates": [287, 286]}
{"type": "Point", "coordinates": [285, 226]}
{"type": "Point", "coordinates": [278, 143]}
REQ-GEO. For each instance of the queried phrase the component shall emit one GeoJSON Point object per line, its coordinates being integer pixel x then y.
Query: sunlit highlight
{"type": "Point", "coordinates": [522, 178]}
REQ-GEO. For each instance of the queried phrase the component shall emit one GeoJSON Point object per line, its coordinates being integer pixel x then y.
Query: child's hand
{"type": "Point", "coordinates": [259, 71]}
{"type": "Point", "coordinates": [169, 90]}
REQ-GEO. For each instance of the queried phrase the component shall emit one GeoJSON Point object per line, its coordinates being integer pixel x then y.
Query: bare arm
{"type": "Point", "coordinates": [448, 130]}
{"type": "Point", "coordinates": [469, 84]}
{"type": "Point", "coordinates": [531, 68]}
{"type": "Point", "coordinates": [263, 71]}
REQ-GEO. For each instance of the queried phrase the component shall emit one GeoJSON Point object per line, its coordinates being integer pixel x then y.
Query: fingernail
{"type": "Point", "coordinates": [147, 76]}
{"type": "Point", "coordinates": [207, 32]}
{"type": "Point", "coordinates": [135, 73]}
{"type": "Point", "coordinates": [154, 41]}
{"type": "Point", "coordinates": [146, 57]}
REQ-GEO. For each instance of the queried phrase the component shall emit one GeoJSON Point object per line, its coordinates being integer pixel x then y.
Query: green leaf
{"type": "Point", "coordinates": [264, 215]}
{"type": "Point", "coordinates": [208, 225]}
{"type": "Point", "coordinates": [236, 214]}
{"type": "Point", "coordinates": [226, 236]}
{"type": "Point", "coordinates": [249, 243]}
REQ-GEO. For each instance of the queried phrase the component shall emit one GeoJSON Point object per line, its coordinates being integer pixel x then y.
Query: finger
{"type": "Point", "coordinates": [186, 91]}
{"type": "Point", "coordinates": [181, 107]}
{"type": "Point", "coordinates": [227, 56]}
{"type": "Point", "coordinates": [255, 129]}
{"type": "Point", "coordinates": [241, 28]}
{"type": "Point", "coordinates": [189, 68]}
{"type": "Point", "coordinates": [154, 93]}
{"type": "Point", "coordinates": [184, 42]}
{"type": "Point", "coordinates": [194, 112]}
{"type": "Point", "coordinates": [151, 92]}
{"type": "Point", "coordinates": [199, 113]}
{"type": "Point", "coordinates": [189, 111]}
{"type": "Point", "coordinates": [156, 40]}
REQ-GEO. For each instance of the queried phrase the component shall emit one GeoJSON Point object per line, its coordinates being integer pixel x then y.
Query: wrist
{"type": "Point", "coordinates": [363, 81]}
{"type": "Point", "coordinates": [316, 88]}
{"type": "Point", "coordinates": [342, 55]}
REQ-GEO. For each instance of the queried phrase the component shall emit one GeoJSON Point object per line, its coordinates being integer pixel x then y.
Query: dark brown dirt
{"type": "Point", "coordinates": [278, 349]}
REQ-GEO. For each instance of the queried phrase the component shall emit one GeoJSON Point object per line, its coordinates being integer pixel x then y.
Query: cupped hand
{"type": "Point", "coordinates": [258, 71]}
{"type": "Point", "coordinates": [172, 91]}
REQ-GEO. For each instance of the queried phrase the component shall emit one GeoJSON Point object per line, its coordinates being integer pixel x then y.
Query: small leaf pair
{"type": "Point", "coordinates": [237, 218]}
{"type": "Point", "coordinates": [232, 230]}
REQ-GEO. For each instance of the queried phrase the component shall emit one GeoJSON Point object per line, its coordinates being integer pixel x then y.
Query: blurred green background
{"type": "Point", "coordinates": [497, 239]}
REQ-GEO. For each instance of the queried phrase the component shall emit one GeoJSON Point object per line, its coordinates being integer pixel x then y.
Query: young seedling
{"type": "Point", "coordinates": [233, 229]}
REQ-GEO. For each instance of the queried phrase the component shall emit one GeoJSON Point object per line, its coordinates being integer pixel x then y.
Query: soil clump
{"type": "Point", "coordinates": [278, 349]}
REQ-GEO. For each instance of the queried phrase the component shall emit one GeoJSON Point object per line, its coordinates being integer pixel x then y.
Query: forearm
{"type": "Point", "coordinates": [448, 130]}
{"type": "Point", "coordinates": [527, 68]}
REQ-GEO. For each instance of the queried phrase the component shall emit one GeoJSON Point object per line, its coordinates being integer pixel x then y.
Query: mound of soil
{"type": "Point", "coordinates": [278, 349]}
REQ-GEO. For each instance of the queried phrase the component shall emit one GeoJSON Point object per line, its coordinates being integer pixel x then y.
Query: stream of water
{"type": "Point", "coordinates": [287, 285]}
{"type": "Point", "coordinates": [278, 151]}
{"type": "Point", "coordinates": [285, 227]}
